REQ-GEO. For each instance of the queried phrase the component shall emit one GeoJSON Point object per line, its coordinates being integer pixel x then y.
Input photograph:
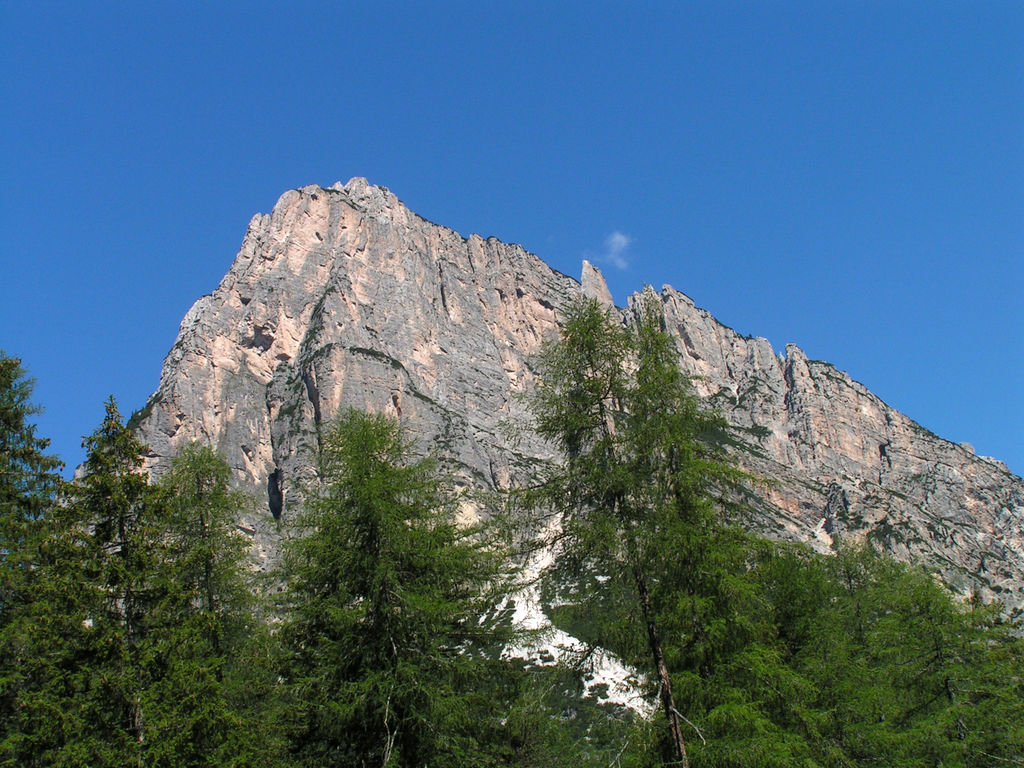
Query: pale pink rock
{"type": "Point", "coordinates": [344, 297]}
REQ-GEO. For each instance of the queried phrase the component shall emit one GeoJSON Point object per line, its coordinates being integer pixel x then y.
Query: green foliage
{"type": "Point", "coordinates": [635, 492]}
{"type": "Point", "coordinates": [28, 476]}
{"type": "Point", "coordinates": [906, 674]}
{"type": "Point", "coordinates": [768, 655]}
{"type": "Point", "coordinates": [387, 625]}
{"type": "Point", "coordinates": [130, 633]}
{"type": "Point", "coordinates": [213, 648]}
{"type": "Point", "coordinates": [29, 480]}
{"type": "Point", "coordinates": [136, 646]}
{"type": "Point", "coordinates": [860, 661]}
{"type": "Point", "coordinates": [117, 515]}
{"type": "Point", "coordinates": [82, 642]}
{"type": "Point", "coordinates": [204, 547]}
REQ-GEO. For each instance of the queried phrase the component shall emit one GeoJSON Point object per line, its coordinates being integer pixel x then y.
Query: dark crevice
{"type": "Point", "coordinates": [313, 394]}
{"type": "Point", "coordinates": [275, 496]}
{"type": "Point", "coordinates": [275, 482]}
{"type": "Point", "coordinates": [262, 337]}
{"type": "Point", "coordinates": [444, 297]}
{"type": "Point", "coordinates": [884, 462]}
{"type": "Point", "coordinates": [883, 454]}
{"type": "Point", "coordinates": [788, 397]}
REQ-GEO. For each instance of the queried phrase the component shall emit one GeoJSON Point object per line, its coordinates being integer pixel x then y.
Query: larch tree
{"type": "Point", "coordinates": [641, 466]}
{"type": "Point", "coordinates": [211, 640]}
{"type": "Point", "coordinates": [387, 632]}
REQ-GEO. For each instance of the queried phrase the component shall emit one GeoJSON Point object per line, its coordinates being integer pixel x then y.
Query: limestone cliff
{"type": "Point", "coordinates": [342, 296]}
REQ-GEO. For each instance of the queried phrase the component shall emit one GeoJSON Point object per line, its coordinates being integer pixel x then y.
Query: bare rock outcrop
{"type": "Point", "coordinates": [844, 464]}
{"type": "Point", "coordinates": [342, 297]}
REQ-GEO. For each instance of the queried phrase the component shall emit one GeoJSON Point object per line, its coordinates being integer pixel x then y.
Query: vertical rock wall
{"type": "Point", "coordinates": [343, 297]}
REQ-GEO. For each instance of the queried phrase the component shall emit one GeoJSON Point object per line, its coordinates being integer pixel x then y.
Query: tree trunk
{"type": "Point", "coordinates": [668, 703]}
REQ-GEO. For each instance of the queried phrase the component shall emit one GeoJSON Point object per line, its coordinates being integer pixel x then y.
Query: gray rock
{"type": "Point", "coordinates": [343, 297]}
{"type": "Point", "coordinates": [594, 286]}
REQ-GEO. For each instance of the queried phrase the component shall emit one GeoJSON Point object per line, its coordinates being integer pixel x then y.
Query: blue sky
{"type": "Point", "coordinates": [846, 176]}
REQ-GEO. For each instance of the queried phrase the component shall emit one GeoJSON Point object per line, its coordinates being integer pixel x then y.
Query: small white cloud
{"type": "Point", "coordinates": [616, 245]}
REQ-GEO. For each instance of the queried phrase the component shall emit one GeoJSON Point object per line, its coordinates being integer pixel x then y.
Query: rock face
{"type": "Point", "coordinates": [843, 463]}
{"type": "Point", "coordinates": [343, 297]}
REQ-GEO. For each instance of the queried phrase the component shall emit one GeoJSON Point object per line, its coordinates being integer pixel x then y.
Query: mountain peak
{"type": "Point", "coordinates": [343, 297]}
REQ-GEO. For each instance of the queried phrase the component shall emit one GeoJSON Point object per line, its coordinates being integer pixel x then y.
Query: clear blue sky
{"type": "Point", "coordinates": [848, 176]}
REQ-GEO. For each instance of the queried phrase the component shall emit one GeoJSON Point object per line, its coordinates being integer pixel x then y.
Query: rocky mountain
{"type": "Point", "coordinates": [344, 297]}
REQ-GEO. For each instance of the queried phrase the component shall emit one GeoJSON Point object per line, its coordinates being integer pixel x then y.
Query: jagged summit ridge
{"type": "Point", "coordinates": [343, 296]}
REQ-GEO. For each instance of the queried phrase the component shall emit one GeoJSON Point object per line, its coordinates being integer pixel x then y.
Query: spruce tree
{"type": "Point", "coordinates": [29, 481]}
{"type": "Point", "coordinates": [83, 641]}
{"type": "Point", "coordinates": [29, 478]}
{"type": "Point", "coordinates": [138, 644]}
{"type": "Point", "coordinates": [119, 515]}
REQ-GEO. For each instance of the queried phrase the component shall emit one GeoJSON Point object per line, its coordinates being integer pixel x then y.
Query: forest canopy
{"type": "Point", "coordinates": [133, 630]}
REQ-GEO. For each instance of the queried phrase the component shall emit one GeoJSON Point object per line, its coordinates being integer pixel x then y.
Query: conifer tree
{"type": "Point", "coordinates": [29, 478]}
{"type": "Point", "coordinates": [137, 645]}
{"type": "Point", "coordinates": [205, 553]}
{"type": "Point", "coordinates": [83, 650]}
{"type": "Point", "coordinates": [909, 675]}
{"type": "Point", "coordinates": [210, 639]}
{"type": "Point", "coordinates": [29, 481]}
{"type": "Point", "coordinates": [386, 631]}
{"type": "Point", "coordinates": [119, 515]}
{"type": "Point", "coordinates": [635, 488]}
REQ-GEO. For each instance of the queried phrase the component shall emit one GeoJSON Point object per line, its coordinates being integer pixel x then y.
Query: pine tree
{"type": "Point", "coordinates": [386, 635]}
{"type": "Point", "coordinates": [634, 493]}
